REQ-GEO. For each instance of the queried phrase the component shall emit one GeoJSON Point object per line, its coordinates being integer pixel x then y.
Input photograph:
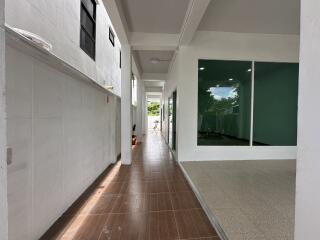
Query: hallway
{"type": "Point", "coordinates": [148, 200]}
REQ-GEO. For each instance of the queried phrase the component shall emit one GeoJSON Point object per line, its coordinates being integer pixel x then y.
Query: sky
{"type": "Point", "coordinates": [222, 92]}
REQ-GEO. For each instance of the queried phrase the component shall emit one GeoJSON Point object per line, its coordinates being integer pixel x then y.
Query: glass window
{"type": "Point", "coordinates": [275, 104]}
{"type": "Point", "coordinates": [88, 27]}
{"type": "Point", "coordinates": [224, 102]}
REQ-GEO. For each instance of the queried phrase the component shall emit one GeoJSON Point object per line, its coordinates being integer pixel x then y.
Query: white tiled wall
{"type": "Point", "coordinates": [3, 164]}
{"type": "Point", "coordinates": [58, 22]}
{"type": "Point", "coordinates": [62, 132]}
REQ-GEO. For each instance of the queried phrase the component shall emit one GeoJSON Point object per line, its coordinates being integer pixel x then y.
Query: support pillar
{"type": "Point", "coordinates": [307, 221]}
{"type": "Point", "coordinates": [139, 110]}
{"type": "Point", "coordinates": [3, 129]}
{"type": "Point", "coordinates": [126, 106]}
{"type": "Point", "coordinates": [144, 113]}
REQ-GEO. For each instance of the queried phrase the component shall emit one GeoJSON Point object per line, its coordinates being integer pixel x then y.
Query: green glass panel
{"type": "Point", "coordinates": [224, 102]}
{"type": "Point", "coordinates": [275, 104]}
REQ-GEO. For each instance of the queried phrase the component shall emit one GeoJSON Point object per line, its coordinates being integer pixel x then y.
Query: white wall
{"type": "Point", "coordinates": [170, 86]}
{"type": "Point", "coordinates": [62, 133]}
{"type": "Point", "coordinates": [225, 46]}
{"type": "Point", "coordinates": [58, 22]}
{"type": "Point", "coordinates": [3, 142]}
{"type": "Point", "coordinates": [308, 164]}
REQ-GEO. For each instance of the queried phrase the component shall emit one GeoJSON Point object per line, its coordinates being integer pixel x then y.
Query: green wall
{"type": "Point", "coordinates": [275, 103]}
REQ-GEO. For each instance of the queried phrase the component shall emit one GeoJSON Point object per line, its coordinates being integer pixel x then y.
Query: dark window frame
{"type": "Point", "coordinates": [83, 28]}
{"type": "Point", "coordinates": [111, 36]}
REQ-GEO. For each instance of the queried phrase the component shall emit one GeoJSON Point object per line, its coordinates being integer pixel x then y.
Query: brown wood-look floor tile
{"type": "Point", "coordinates": [162, 226]}
{"type": "Point", "coordinates": [119, 177]}
{"type": "Point", "coordinates": [157, 186]}
{"type": "Point", "coordinates": [159, 202]}
{"type": "Point", "coordinates": [206, 238]}
{"type": "Point", "coordinates": [193, 223]}
{"type": "Point", "coordinates": [130, 203]}
{"type": "Point", "coordinates": [157, 176]}
{"type": "Point", "coordinates": [137, 202]}
{"type": "Point", "coordinates": [179, 186]}
{"type": "Point", "coordinates": [139, 175]}
{"type": "Point", "coordinates": [175, 175]}
{"type": "Point", "coordinates": [110, 188]}
{"type": "Point", "coordinates": [84, 227]}
{"type": "Point", "coordinates": [130, 226]}
{"type": "Point", "coordinates": [99, 204]}
{"type": "Point", "coordinates": [184, 200]}
{"type": "Point", "coordinates": [78, 205]}
{"type": "Point", "coordinates": [95, 204]}
{"type": "Point", "coordinates": [134, 187]}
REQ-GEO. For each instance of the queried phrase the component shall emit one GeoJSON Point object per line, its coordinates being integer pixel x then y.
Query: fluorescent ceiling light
{"type": "Point", "coordinates": [156, 60]}
{"type": "Point", "coordinates": [202, 68]}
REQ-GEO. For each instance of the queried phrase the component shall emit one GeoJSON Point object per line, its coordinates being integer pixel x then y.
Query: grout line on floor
{"type": "Point", "coordinates": [174, 215]}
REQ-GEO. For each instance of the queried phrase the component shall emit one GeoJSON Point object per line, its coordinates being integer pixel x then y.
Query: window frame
{"type": "Point", "coordinates": [111, 36]}
{"type": "Point", "coordinates": [83, 29]}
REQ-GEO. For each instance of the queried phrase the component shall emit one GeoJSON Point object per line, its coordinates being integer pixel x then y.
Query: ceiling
{"type": "Point", "coordinates": [158, 27]}
{"type": "Point", "coordinates": [155, 83]}
{"type": "Point", "coordinates": [252, 16]}
{"type": "Point", "coordinates": [143, 57]}
{"type": "Point", "coordinates": [155, 16]}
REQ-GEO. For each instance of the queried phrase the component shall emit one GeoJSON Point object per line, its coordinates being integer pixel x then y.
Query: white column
{"type": "Point", "coordinates": [307, 224]}
{"type": "Point", "coordinates": [126, 106]}
{"type": "Point", "coordinates": [139, 109]}
{"type": "Point", "coordinates": [3, 141]}
{"type": "Point", "coordinates": [144, 113]}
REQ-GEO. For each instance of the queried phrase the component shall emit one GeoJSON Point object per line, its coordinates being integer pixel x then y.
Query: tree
{"type": "Point", "coordinates": [153, 109]}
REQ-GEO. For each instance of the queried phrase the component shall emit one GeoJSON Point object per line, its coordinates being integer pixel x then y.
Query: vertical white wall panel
{"type": "Point", "coordinates": [60, 130]}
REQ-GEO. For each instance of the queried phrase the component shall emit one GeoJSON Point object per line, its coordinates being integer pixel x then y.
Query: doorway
{"type": "Point", "coordinates": [172, 116]}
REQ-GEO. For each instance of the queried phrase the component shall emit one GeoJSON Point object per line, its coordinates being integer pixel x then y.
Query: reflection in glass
{"type": "Point", "coordinates": [275, 104]}
{"type": "Point", "coordinates": [224, 102]}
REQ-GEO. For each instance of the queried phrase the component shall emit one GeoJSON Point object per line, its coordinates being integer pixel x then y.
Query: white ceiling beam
{"type": "Point", "coordinates": [154, 76]}
{"type": "Point", "coordinates": [136, 69]}
{"type": "Point", "coordinates": [153, 89]}
{"type": "Point", "coordinates": [155, 95]}
{"type": "Point", "coordinates": [153, 83]}
{"type": "Point", "coordinates": [154, 41]}
{"type": "Point", "coordinates": [194, 15]}
{"type": "Point", "coordinates": [118, 19]}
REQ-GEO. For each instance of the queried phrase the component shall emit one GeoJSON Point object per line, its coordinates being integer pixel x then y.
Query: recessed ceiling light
{"type": "Point", "coordinates": [154, 60]}
{"type": "Point", "coordinates": [249, 70]}
{"type": "Point", "coordinates": [230, 79]}
{"type": "Point", "coordinates": [202, 68]}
